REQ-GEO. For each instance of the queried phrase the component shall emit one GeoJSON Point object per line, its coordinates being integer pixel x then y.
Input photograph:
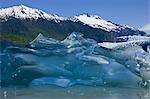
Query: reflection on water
{"type": "Point", "coordinates": [75, 92]}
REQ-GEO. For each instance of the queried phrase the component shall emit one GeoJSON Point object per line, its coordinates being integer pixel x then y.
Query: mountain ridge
{"type": "Point", "coordinates": [30, 21]}
{"type": "Point", "coordinates": [23, 12]}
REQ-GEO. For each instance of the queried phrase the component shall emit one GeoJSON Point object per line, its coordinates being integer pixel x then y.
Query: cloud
{"type": "Point", "coordinates": [146, 28]}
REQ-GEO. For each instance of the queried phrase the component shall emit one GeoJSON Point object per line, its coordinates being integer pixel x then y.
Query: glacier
{"type": "Point", "coordinates": [76, 61]}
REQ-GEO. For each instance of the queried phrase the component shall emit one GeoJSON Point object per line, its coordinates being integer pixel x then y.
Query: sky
{"type": "Point", "coordinates": [135, 13]}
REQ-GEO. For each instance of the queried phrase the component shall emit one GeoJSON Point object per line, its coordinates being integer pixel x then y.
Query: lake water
{"type": "Point", "coordinates": [74, 92]}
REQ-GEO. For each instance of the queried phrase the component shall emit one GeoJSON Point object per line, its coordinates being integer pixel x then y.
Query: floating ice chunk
{"type": "Point", "coordinates": [76, 39]}
{"type": "Point", "coordinates": [47, 70]}
{"type": "Point", "coordinates": [145, 73]}
{"type": "Point", "coordinates": [79, 61]}
{"type": "Point", "coordinates": [122, 45]}
{"type": "Point", "coordinates": [41, 42]}
{"type": "Point", "coordinates": [96, 58]}
{"type": "Point", "coordinates": [62, 82]}
{"type": "Point", "coordinates": [41, 39]}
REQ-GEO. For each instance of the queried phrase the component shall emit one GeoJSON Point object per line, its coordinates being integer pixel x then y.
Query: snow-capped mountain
{"type": "Point", "coordinates": [28, 22]}
{"type": "Point", "coordinates": [98, 22]}
{"type": "Point", "coordinates": [95, 22]}
{"type": "Point", "coordinates": [24, 12]}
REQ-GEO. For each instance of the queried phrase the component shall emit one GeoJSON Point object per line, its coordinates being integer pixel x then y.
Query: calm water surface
{"type": "Point", "coordinates": [75, 92]}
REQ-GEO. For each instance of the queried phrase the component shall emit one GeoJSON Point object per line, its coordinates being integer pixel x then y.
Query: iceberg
{"type": "Point", "coordinates": [76, 61]}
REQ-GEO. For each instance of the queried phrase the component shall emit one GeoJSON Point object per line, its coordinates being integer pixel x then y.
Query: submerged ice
{"type": "Point", "coordinates": [75, 60]}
